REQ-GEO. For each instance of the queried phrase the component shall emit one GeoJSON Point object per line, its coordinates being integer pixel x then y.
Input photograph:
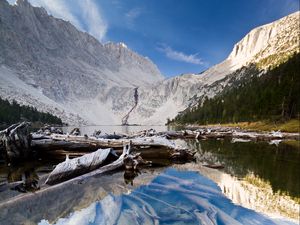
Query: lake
{"type": "Point", "coordinates": [259, 184]}
{"type": "Point", "coordinates": [117, 129]}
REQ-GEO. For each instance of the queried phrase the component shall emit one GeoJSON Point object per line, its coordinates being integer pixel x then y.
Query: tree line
{"type": "Point", "coordinates": [13, 112]}
{"type": "Point", "coordinates": [272, 96]}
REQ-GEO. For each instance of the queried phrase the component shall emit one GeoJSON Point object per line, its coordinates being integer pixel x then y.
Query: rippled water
{"type": "Point", "coordinates": [173, 197]}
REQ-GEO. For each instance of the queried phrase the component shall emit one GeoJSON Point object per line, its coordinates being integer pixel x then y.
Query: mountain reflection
{"type": "Point", "coordinates": [173, 197]}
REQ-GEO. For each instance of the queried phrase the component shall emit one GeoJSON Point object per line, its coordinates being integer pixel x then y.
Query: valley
{"type": "Point", "coordinates": [100, 128]}
{"type": "Point", "coordinates": [85, 77]}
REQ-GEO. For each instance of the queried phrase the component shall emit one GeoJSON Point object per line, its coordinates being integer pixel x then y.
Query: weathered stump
{"type": "Point", "coordinates": [15, 141]}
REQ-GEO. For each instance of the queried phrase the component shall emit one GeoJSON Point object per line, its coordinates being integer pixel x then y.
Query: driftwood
{"type": "Point", "coordinates": [88, 162]}
{"type": "Point", "coordinates": [75, 131]}
{"type": "Point", "coordinates": [132, 161]}
{"type": "Point", "coordinates": [214, 166]}
{"type": "Point", "coordinates": [75, 144]}
{"type": "Point", "coordinates": [74, 167]}
{"type": "Point", "coordinates": [15, 141]}
{"type": "Point", "coordinates": [234, 133]}
{"type": "Point", "coordinates": [47, 130]}
{"type": "Point", "coordinates": [66, 170]}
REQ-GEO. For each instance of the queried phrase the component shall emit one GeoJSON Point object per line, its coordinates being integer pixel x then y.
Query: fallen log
{"type": "Point", "coordinates": [81, 143]}
{"type": "Point", "coordinates": [157, 149]}
{"type": "Point", "coordinates": [74, 167]}
{"type": "Point", "coordinates": [58, 174]}
{"type": "Point", "coordinates": [215, 133]}
{"type": "Point", "coordinates": [48, 145]}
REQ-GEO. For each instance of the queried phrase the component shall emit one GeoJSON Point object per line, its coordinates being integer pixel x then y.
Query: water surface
{"type": "Point", "coordinates": [173, 197]}
{"type": "Point", "coordinates": [278, 166]}
{"type": "Point", "coordinates": [258, 176]}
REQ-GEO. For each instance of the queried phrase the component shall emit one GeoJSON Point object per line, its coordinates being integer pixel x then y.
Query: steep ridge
{"type": "Point", "coordinates": [263, 47]}
{"type": "Point", "coordinates": [46, 62]}
{"type": "Point", "coordinates": [62, 64]}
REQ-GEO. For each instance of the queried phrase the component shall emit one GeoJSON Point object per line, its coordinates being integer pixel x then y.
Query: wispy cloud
{"type": "Point", "coordinates": [89, 18]}
{"type": "Point", "coordinates": [180, 56]}
{"type": "Point", "coordinates": [94, 21]}
{"type": "Point", "coordinates": [132, 15]}
{"type": "Point", "coordinates": [58, 9]}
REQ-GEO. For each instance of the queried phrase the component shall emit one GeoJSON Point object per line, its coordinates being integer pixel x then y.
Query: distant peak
{"type": "Point", "coordinates": [122, 44]}
{"type": "Point", "coordinates": [22, 2]}
{"type": "Point", "coordinates": [118, 45]}
{"type": "Point", "coordinates": [268, 38]}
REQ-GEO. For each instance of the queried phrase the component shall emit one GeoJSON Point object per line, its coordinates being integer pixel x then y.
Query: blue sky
{"type": "Point", "coordinates": [179, 36]}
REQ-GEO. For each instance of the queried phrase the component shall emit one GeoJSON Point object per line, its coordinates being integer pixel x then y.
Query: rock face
{"type": "Point", "coordinates": [47, 63]}
{"type": "Point", "coordinates": [61, 63]}
{"type": "Point", "coordinates": [260, 48]}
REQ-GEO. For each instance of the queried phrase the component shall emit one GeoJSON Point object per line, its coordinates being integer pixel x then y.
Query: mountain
{"type": "Point", "coordinates": [47, 63]}
{"type": "Point", "coordinates": [272, 96]}
{"type": "Point", "coordinates": [263, 47]}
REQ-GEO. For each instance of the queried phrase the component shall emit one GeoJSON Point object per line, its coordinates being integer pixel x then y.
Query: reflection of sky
{"type": "Point", "coordinates": [174, 197]}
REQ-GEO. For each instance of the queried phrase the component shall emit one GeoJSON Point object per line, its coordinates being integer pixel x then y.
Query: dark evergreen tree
{"type": "Point", "coordinates": [13, 113]}
{"type": "Point", "coordinates": [273, 96]}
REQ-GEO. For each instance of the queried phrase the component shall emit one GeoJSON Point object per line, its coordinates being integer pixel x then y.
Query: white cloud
{"type": "Point", "coordinates": [180, 56]}
{"type": "Point", "coordinates": [94, 21]}
{"type": "Point", "coordinates": [132, 15]}
{"type": "Point", "coordinates": [89, 19]}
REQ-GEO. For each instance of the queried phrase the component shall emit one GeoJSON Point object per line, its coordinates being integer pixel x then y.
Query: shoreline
{"type": "Point", "coordinates": [291, 126]}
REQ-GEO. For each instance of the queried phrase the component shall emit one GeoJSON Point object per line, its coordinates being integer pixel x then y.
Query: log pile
{"type": "Point", "coordinates": [93, 155]}
{"type": "Point", "coordinates": [101, 153]}
{"type": "Point", "coordinates": [149, 147]}
{"type": "Point", "coordinates": [233, 133]}
{"type": "Point", "coordinates": [16, 142]}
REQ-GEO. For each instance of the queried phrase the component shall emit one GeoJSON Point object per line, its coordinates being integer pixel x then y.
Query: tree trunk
{"type": "Point", "coordinates": [15, 141]}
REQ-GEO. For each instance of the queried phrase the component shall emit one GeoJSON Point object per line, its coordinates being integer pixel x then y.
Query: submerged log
{"type": "Point", "coordinates": [15, 141]}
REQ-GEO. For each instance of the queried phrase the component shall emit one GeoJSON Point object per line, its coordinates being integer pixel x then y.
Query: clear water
{"type": "Point", "coordinates": [277, 165]}
{"type": "Point", "coordinates": [173, 197]}
{"type": "Point", "coordinates": [157, 195]}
